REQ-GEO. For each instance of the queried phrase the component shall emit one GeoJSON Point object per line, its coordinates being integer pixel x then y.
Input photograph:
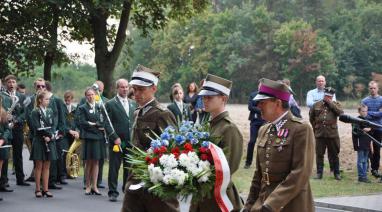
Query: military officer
{"type": "Point", "coordinates": [121, 112]}
{"type": "Point", "coordinates": [215, 93]}
{"type": "Point", "coordinates": [284, 157]}
{"type": "Point", "coordinates": [150, 118]}
{"type": "Point", "coordinates": [17, 122]}
{"type": "Point", "coordinates": [323, 117]}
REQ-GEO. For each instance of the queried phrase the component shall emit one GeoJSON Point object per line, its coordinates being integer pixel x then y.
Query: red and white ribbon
{"type": "Point", "coordinates": [223, 177]}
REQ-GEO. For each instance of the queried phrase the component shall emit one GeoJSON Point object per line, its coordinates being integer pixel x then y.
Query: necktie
{"type": "Point", "coordinates": [125, 106]}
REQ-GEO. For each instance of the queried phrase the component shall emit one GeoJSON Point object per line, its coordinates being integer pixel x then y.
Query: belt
{"type": "Point", "coordinates": [272, 178]}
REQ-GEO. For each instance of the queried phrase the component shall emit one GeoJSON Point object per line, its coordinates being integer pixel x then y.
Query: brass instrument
{"type": "Point", "coordinates": [73, 160]}
{"type": "Point", "coordinates": [15, 101]}
{"type": "Point", "coordinates": [27, 139]}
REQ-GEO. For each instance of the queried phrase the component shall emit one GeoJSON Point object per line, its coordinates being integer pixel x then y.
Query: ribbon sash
{"type": "Point", "coordinates": [223, 177]}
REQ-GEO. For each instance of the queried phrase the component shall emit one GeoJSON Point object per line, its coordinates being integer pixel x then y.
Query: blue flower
{"type": "Point", "coordinates": [155, 144]}
{"type": "Point", "coordinates": [169, 129]}
{"type": "Point", "coordinates": [189, 136]}
{"type": "Point", "coordinates": [165, 136]}
{"type": "Point", "coordinates": [165, 142]}
{"type": "Point", "coordinates": [194, 141]}
{"type": "Point", "coordinates": [205, 144]}
{"type": "Point", "coordinates": [206, 134]}
{"type": "Point", "coordinates": [199, 135]}
{"type": "Point", "coordinates": [180, 139]}
{"type": "Point", "coordinates": [183, 129]}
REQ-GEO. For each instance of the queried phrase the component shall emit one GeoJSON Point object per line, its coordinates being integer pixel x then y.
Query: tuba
{"type": "Point", "coordinates": [73, 160]}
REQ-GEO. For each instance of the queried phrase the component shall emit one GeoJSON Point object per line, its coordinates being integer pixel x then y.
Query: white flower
{"type": "Point", "coordinates": [150, 150]}
{"type": "Point", "coordinates": [194, 159]}
{"type": "Point", "coordinates": [184, 160]}
{"type": "Point", "coordinates": [175, 177]}
{"type": "Point", "coordinates": [155, 173]}
{"type": "Point", "coordinates": [168, 161]}
{"type": "Point", "coordinates": [206, 167]}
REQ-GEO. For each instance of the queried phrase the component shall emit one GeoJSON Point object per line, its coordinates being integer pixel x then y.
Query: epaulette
{"type": "Point", "coordinates": [161, 107]}
{"type": "Point", "coordinates": [297, 119]}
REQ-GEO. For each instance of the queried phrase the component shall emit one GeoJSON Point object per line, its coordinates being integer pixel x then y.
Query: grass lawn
{"type": "Point", "coordinates": [327, 187]}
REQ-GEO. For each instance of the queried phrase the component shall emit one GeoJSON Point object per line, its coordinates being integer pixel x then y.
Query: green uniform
{"type": "Point", "coordinates": [284, 164]}
{"type": "Point", "coordinates": [122, 122]}
{"type": "Point", "coordinates": [4, 134]}
{"type": "Point", "coordinates": [151, 118]}
{"type": "Point", "coordinates": [6, 103]}
{"type": "Point", "coordinates": [39, 148]}
{"type": "Point", "coordinates": [93, 138]}
{"type": "Point", "coordinates": [323, 117]}
{"type": "Point", "coordinates": [185, 114]}
{"type": "Point", "coordinates": [232, 143]}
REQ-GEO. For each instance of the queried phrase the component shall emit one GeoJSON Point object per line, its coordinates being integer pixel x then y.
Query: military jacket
{"type": "Point", "coordinates": [323, 117]}
{"type": "Point", "coordinates": [231, 141]}
{"type": "Point", "coordinates": [88, 114]}
{"type": "Point", "coordinates": [121, 121]}
{"type": "Point", "coordinates": [151, 118]}
{"type": "Point", "coordinates": [284, 162]}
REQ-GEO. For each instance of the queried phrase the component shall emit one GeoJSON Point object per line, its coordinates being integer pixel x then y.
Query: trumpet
{"type": "Point", "coordinates": [11, 118]}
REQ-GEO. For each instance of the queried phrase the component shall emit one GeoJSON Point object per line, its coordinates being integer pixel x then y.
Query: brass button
{"type": "Point", "coordinates": [267, 155]}
{"type": "Point", "coordinates": [266, 169]}
{"type": "Point", "coordinates": [267, 162]}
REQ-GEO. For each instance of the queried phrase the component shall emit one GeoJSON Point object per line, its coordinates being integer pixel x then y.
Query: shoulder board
{"type": "Point", "coordinates": [160, 107]}
{"type": "Point", "coordinates": [296, 119]}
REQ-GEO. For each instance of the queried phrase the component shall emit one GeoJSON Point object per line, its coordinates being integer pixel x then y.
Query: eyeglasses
{"type": "Point", "coordinates": [40, 86]}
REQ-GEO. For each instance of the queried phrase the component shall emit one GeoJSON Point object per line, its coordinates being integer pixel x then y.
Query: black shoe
{"type": "Point", "coordinates": [95, 192]}
{"type": "Point", "coordinates": [247, 166]}
{"type": "Point", "coordinates": [1, 199]}
{"type": "Point", "coordinates": [319, 176]}
{"type": "Point", "coordinates": [63, 182]}
{"type": "Point", "coordinates": [337, 176]}
{"type": "Point", "coordinates": [23, 183]}
{"type": "Point", "coordinates": [4, 189]}
{"type": "Point", "coordinates": [364, 180]}
{"type": "Point", "coordinates": [100, 186]}
{"type": "Point", "coordinates": [70, 177]}
{"type": "Point", "coordinates": [54, 186]}
{"type": "Point", "coordinates": [47, 194]}
{"type": "Point", "coordinates": [375, 173]}
{"type": "Point", "coordinates": [30, 179]}
{"type": "Point", "coordinates": [113, 198]}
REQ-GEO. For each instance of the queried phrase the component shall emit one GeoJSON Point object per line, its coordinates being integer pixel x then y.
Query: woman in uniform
{"type": "Point", "coordinates": [91, 121]}
{"type": "Point", "coordinates": [4, 134]}
{"type": "Point", "coordinates": [43, 143]}
{"type": "Point", "coordinates": [215, 93]}
{"type": "Point", "coordinates": [180, 109]}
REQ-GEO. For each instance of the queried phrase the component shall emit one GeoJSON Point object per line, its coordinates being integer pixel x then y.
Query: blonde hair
{"type": "Point", "coordinates": [38, 80]}
{"type": "Point", "coordinates": [39, 95]}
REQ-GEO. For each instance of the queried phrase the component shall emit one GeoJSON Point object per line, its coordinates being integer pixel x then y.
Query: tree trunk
{"type": "Point", "coordinates": [106, 60]}
{"type": "Point", "coordinates": [50, 53]}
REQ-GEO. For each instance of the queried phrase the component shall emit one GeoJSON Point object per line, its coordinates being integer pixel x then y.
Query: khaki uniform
{"type": "Point", "coordinates": [232, 144]}
{"type": "Point", "coordinates": [323, 117]}
{"type": "Point", "coordinates": [283, 168]}
{"type": "Point", "coordinates": [152, 118]}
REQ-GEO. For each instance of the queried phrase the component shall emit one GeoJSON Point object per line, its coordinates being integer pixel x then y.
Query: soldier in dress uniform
{"type": "Point", "coordinates": [121, 112]}
{"type": "Point", "coordinates": [284, 159]}
{"type": "Point", "coordinates": [323, 117]}
{"type": "Point", "coordinates": [215, 93]}
{"type": "Point", "coordinates": [150, 118]}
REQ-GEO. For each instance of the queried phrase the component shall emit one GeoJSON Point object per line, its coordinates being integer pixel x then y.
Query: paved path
{"type": "Point", "coordinates": [369, 203]}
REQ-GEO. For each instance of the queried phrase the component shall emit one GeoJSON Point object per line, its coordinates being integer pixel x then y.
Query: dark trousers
{"type": "Point", "coordinates": [254, 129]}
{"type": "Point", "coordinates": [17, 148]}
{"type": "Point", "coordinates": [333, 146]}
{"type": "Point", "coordinates": [376, 156]}
{"type": "Point", "coordinates": [4, 174]}
{"type": "Point", "coordinates": [115, 161]}
{"type": "Point", "coordinates": [56, 169]}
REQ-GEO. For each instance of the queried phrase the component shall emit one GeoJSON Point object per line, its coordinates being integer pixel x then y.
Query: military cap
{"type": "Point", "coordinates": [144, 76]}
{"type": "Point", "coordinates": [272, 89]}
{"type": "Point", "coordinates": [329, 91]}
{"type": "Point", "coordinates": [214, 85]}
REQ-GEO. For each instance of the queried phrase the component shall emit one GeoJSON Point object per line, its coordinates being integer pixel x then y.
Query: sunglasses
{"type": "Point", "coordinates": [40, 86]}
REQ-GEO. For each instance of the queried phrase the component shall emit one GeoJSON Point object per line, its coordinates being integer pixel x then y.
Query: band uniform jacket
{"type": "Point", "coordinates": [122, 122]}
{"type": "Point", "coordinates": [231, 141]}
{"type": "Point", "coordinates": [87, 114]}
{"type": "Point", "coordinates": [283, 168]}
{"type": "Point", "coordinates": [323, 117]}
{"type": "Point", "coordinates": [19, 111]}
{"type": "Point", "coordinates": [185, 114]}
{"type": "Point", "coordinates": [151, 118]}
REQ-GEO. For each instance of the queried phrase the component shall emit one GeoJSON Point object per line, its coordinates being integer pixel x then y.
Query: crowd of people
{"type": "Point", "coordinates": [285, 142]}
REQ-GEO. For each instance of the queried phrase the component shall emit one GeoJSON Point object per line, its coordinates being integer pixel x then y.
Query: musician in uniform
{"type": "Point", "coordinates": [42, 120]}
{"type": "Point", "coordinates": [215, 93]}
{"type": "Point", "coordinates": [150, 118]}
{"type": "Point", "coordinates": [284, 160]}
{"type": "Point", "coordinates": [17, 118]}
{"type": "Point", "coordinates": [121, 113]}
{"type": "Point", "coordinates": [6, 103]}
{"type": "Point", "coordinates": [181, 110]}
{"type": "Point", "coordinates": [323, 117]}
{"type": "Point", "coordinates": [92, 122]}
{"type": "Point", "coordinates": [4, 136]}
